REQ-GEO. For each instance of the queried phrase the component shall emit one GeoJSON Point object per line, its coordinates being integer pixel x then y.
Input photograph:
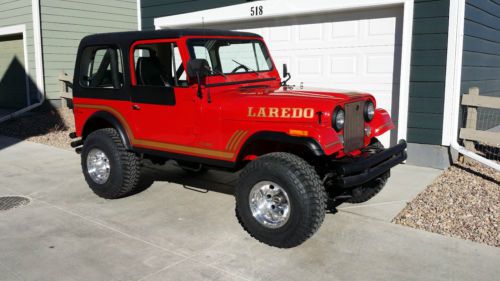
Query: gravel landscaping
{"type": "Point", "coordinates": [463, 202]}
{"type": "Point", "coordinates": [48, 127]}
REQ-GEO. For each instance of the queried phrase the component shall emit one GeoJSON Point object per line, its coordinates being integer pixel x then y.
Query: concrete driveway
{"type": "Point", "coordinates": [172, 232]}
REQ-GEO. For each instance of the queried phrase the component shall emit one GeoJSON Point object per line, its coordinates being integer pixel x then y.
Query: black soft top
{"type": "Point", "coordinates": [130, 36]}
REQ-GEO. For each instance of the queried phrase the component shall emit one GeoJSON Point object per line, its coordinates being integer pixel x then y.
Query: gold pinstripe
{"type": "Point", "coordinates": [238, 141]}
{"type": "Point", "coordinates": [231, 140]}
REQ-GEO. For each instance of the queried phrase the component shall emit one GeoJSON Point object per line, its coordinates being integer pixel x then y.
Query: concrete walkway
{"type": "Point", "coordinates": [170, 232]}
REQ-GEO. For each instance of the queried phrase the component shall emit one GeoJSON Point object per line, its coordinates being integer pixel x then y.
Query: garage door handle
{"type": "Point", "coordinates": [136, 107]}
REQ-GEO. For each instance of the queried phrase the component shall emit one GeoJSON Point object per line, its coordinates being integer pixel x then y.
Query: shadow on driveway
{"type": "Point", "coordinates": [212, 180]}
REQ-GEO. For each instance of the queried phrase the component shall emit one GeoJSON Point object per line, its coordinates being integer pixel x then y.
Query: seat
{"type": "Point", "coordinates": [149, 72]}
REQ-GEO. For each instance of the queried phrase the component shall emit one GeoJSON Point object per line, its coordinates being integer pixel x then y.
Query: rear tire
{"type": "Point", "coordinates": [120, 175]}
{"type": "Point", "coordinates": [368, 190]}
{"type": "Point", "coordinates": [301, 203]}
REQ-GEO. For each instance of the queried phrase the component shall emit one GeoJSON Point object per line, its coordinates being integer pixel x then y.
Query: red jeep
{"type": "Point", "coordinates": [214, 99]}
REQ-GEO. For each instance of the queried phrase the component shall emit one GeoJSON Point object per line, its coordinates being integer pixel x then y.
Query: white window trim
{"type": "Point", "coordinates": [286, 8]}
{"type": "Point", "coordinates": [20, 29]}
{"type": "Point", "coordinates": [37, 38]}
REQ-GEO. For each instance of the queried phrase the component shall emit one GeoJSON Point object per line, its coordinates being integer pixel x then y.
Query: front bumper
{"type": "Point", "coordinates": [360, 170]}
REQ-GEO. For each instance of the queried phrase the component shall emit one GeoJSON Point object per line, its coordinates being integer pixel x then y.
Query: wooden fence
{"type": "Point", "coordinates": [66, 87]}
{"type": "Point", "coordinates": [470, 134]}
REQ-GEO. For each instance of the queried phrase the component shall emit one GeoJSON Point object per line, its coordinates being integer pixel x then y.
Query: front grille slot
{"type": "Point", "coordinates": [354, 127]}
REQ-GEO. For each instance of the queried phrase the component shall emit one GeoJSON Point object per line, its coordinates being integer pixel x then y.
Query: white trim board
{"type": "Point", "coordinates": [20, 29]}
{"type": "Point", "coordinates": [37, 38]}
{"type": "Point", "coordinates": [286, 8]}
{"type": "Point", "coordinates": [139, 15]}
{"type": "Point", "coordinates": [453, 70]}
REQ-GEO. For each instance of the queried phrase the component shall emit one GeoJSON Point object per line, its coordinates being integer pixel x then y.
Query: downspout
{"type": "Point", "coordinates": [37, 34]}
{"type": "Point", "coordinates": [455, 114]}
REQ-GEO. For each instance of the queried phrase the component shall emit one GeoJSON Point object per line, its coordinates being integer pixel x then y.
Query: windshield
{"type": "Point", "coordinates": [230, 56]}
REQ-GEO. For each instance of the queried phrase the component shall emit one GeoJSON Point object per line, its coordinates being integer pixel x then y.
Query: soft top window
{"type": "Point", "coordinates": [101, 67]}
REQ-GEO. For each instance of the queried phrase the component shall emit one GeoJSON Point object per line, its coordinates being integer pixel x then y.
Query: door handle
{"type": "Point", "coordinates": [136, 107]}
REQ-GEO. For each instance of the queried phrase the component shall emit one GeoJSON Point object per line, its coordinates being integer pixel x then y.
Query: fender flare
{"type": "Point", "coordinates": [309, 143]}
{"type": "Point", "coordinates": [111, 119]}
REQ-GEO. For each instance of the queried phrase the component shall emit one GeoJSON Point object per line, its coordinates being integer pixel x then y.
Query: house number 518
{"type": "Point", "coordinates": [256, 11]}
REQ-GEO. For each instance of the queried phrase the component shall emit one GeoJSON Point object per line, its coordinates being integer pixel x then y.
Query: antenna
{"type": "Point", "coordinates": [209, 97]}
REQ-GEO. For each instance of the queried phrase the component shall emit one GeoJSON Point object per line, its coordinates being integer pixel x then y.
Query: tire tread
{"type": "Point", "coordinates": [310, 187]}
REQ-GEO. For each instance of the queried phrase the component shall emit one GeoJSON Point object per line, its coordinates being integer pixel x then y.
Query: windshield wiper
{"type": "Point", "coordinates": [246, 67]}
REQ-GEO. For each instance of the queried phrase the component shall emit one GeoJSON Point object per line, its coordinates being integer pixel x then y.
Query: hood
{"type": "Point", "coordinates": [285, 103]}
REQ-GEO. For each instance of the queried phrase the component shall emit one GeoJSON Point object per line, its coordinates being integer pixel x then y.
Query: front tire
{"type": "Point", "coordinates": [280, 200]}
{"type": "Point", "coordinates": [109, 169]}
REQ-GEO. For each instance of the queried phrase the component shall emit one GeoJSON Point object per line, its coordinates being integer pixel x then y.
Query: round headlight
{"type": "Point", "coordinates": [338, 119]}
{"type": "Point", "coordinates": [369, 111]}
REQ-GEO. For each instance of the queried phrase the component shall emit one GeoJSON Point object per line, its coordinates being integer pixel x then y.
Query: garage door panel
{"type": "Point", "coordinates": [310, 32]}
{"type": "Point", "coordinates": [310, 65]}
{"type": "Point", "coordinates": [344, 30]}
{"type": "Point", "coordinates": [377, 68]}
{"type": "Point", "coordinates": [279, 34]}
{"type": "Point", "coordinates": [346, 65]}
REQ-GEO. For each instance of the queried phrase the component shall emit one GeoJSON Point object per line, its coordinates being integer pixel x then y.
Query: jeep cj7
{"type": "Point", "coordinates": [214, 99]}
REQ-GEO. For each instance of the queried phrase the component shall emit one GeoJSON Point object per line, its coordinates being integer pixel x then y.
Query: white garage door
{"type": "Point", "coordinates": [354, 51]}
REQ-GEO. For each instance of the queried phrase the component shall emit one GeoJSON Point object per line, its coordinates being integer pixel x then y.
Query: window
{"type": "Point", "coordinates": [159, 65]}
{"type": "Point", "coordinates": [231, 56]}
{"type": "Point", "coordinates": [101, 68]}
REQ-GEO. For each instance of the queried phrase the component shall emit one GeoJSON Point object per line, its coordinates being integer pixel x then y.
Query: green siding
{"type": "Point", "coordinates": [481, 54]}
{"type": "Point", "coordinates": [428, 71]}
{"type": "Point", "coordinates": [16, 13]}
{"type": "Point", "coordinates": [66, 22]}
{"type": "Point", "coordinates": [152, 9]}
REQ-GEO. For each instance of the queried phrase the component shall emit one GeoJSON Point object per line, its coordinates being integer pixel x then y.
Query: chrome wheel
{"type": "Point", "coordinates": [269, 204]}
{"type": "Point", "coordinates": [98, 166]}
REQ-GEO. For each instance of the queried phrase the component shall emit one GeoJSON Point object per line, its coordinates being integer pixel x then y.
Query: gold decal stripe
{"type": "Point", "coordinates": [238, 141]}
{"type": "Point", "coordinates": [158, 145]}
{"type": "Point", "coordinates": [183, 148]}
{"type": "Point", "coordinates": [231, 140]}
{"type": "Point", "coordinates": [114, 112]}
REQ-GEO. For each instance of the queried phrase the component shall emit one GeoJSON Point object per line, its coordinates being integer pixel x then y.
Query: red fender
{"type": "Point", "coordinates": [381, 122]}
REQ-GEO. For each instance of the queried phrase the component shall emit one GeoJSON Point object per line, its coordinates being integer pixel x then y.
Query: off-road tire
{"type": "Point", "coordinates": [304, 188]}
{"type": "Point", "coordinates": [368, 190]}
{"type": "Point", "coordinates": [125, 166]}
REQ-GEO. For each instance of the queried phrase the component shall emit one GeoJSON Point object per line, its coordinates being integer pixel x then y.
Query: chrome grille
{"type": "Point", "coordinates": [354, 127]}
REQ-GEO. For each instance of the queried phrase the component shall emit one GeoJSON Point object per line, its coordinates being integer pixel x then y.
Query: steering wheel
{"type": "Point", "coordinates": [238, 68]}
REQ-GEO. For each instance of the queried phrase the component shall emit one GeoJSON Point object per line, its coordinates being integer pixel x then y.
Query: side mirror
{"type": "Point", "coordinates": [286, 75]}
{"type": "Point", "coordinates": [285, 70]}
{"type": "Point", "coordinates": [198, 68]}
